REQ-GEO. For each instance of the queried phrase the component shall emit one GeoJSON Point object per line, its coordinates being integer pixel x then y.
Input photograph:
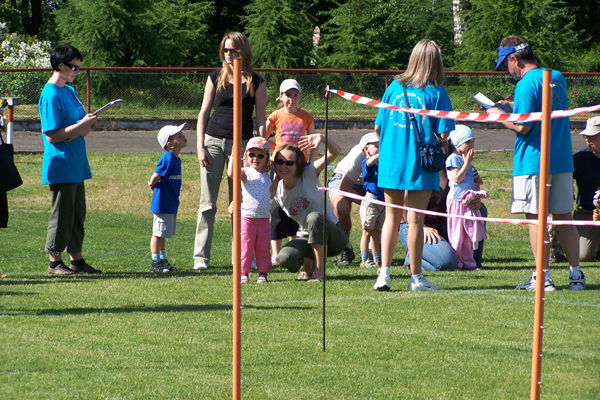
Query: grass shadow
{"type": "Point", "coordinates": [134, 309]}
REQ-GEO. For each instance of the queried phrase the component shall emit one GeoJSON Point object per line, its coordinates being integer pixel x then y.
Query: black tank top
{"type": "Point", "coordinates": [220, 123]}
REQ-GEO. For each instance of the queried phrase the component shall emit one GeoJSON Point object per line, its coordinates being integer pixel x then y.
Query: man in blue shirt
{"type": "Point", "coordinates": [65, 165]}
{"type": "Point", "coordinates": [518, 60]}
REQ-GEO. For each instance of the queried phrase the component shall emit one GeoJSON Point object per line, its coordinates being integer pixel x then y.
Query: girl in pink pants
{"type": "Point", "coordinates": [464, 235]}
{"type": "Point", "coordinates": [256, 209]}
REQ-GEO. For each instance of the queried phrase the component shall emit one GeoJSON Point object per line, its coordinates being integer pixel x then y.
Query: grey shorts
{"type": "Point", "coordinates": [372, 215]}
{"type": "Point", "coordinates": [164, 225]}
{"type": "Point", "coordinates": [526, 194]}
{"type": "Point", "coordinates": [334, 183]}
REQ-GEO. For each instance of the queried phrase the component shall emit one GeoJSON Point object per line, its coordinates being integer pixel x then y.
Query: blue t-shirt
{"type": "Point", "coordinates": [398, 146]}
{"type": "Point", "coordinates": [64, 162]}
{"type": "Point", "coordinates": [369, 177]}
{"type": "Point", "coordinates": [165, 197]}
{"type": "Point", "coordinates": [468, 183]}
{"type": "Point", "coordinates": [528, 98]}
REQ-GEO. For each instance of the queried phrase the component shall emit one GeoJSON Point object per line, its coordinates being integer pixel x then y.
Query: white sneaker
{"type": "Point", "coordinates": [383, 282]}
{"type": "Point", "coordinates": [530, 284]}
{"type": "Point", "coordinates": [423, 284]}
{"type": "Point", "coordinates": [200, 264]}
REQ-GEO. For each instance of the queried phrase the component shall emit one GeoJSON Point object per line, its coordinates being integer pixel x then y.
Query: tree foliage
{"type": "Point", "coordinates": [375, 34]}
{"type": "Point", "coordinates": [137, 32]}
{"type": "Point", "coordinates": [544, 24]}
{"type": "Point", "coordinates": [280, 32]}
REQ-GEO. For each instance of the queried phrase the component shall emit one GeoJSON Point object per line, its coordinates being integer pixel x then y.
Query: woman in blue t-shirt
{"type": "Point", "coordinates": [65, 165]}
{"type": "Point", "coordinates": [400, 174]}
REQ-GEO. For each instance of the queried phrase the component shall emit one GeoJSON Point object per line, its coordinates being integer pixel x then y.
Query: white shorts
{"type": "Point", "coordinates": [372, 215]}
{"type": "Point", "coordinates": [164, 225]}
{"type": "Point", "coordinates": [526, 194]}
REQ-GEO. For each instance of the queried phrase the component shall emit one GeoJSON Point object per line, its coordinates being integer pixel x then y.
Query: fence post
{"type": "Point", "coordinates": [87, 91]}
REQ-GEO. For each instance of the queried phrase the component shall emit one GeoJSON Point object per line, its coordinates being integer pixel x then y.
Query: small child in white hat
{"type": "Point", "coordinates": [165, 184]}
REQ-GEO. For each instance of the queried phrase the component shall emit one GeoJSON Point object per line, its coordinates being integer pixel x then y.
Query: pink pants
{"type": "Point", "coordinates": [256, 238]}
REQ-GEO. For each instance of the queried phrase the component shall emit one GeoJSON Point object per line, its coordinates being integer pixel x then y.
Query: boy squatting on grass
{"type": "Point", "coordinates": [372, 215]}
{"type": "Point", "coordinates": [165, 183]}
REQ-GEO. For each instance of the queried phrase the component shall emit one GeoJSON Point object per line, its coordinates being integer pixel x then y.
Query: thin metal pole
{"type": "Point", "coordinates": [542, 259]}
{"type": "Point", "coordinates": [325, 209]}
{"type": "Point", "coordinates": [237, 228]}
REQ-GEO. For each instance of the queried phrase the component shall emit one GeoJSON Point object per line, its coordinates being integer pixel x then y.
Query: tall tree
{"type": "Point", "coordinates": [544, 23]}
{"type": "Point", "coordinates": [381, 33]}
{"type": "Point", "coordinates": [280, 32]}
{"type": "Point", "coordinates": [138, 32]}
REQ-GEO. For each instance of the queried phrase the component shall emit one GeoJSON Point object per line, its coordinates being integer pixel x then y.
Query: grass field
{"type": "Point", "coordinates": [132, 334]}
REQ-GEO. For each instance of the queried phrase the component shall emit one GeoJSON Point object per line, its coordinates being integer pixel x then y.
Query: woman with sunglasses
{"type": "Point", "coordinates": [298, 195]}
{"type": "Point", "coordinates": [65, 164]}
{"type": "Point", "coordinates": [215, 132]}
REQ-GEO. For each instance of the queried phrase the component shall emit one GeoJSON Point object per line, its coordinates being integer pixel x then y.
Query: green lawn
{"type": "Point", "coordinates": [131, 334]}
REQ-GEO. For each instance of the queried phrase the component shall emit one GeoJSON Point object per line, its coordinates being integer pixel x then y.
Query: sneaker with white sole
{"type": "Point", "coordinates": [423, 284]}
{"type": "Point", "coordinates": [577, 283]}
{"type": "Point", "coordinates": [383, 282]}
{"type": "Point", "coordinates": [530, 284]}
{"type": "Point", "coordinates": [200, 264]}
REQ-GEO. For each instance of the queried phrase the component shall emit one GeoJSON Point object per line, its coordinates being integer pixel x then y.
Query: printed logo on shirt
{"type": "Point", "coordinates": [298, 205]}
{"type": "Point", "coordinates": [291, 132]}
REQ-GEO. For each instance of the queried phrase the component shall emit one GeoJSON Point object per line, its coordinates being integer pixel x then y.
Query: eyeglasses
{"type": "Point", "coordinates": [226, 50]}
{"type": "Point", "coordinates": [286, 162]}
{"type": "Point", "coordinates": [73, 67]}
{"type": "Point", "coordinates": [259, 156]}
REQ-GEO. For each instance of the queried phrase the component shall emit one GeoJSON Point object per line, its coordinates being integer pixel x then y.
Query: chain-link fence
{"type": "Point", "coordinates": [154, 94]}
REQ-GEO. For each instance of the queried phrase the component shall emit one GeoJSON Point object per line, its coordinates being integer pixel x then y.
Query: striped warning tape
{"type": "Point", "coordinates": [463, 116]}
{"type": "Point", "coordinates": [438, 214]}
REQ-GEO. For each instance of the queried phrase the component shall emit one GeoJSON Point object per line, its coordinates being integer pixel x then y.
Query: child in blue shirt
{"type": "Point", "coordinates": [166, 185]}
{"type": "Point", "coordinates": [371, 215]}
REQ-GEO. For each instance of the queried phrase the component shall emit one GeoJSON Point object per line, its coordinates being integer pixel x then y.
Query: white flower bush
{"type": "Point", "coordinates": [17, 51]}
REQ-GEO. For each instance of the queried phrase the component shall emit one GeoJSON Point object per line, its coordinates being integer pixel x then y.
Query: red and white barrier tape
{"type": "Point", "coordinates": [438, 214]}
{"type": "Point", "coordinates": [463, 116]}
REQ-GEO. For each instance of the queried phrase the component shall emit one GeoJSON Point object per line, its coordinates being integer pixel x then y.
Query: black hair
{"type": "Point", "coordinates": [63, 54]}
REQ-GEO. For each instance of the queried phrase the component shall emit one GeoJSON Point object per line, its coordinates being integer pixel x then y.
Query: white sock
{"type": "Point", "coordinates": [384, 271]}
{"type": "Point", "coordinates": [416, 278]}
{"type": "Point", "coordinates": [547, 274]}
{"type": "Point", "coordinates": [574, 271]}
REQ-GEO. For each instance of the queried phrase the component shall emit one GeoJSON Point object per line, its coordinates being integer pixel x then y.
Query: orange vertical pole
{"type": "Point", "coordinates": [542, 258]}
{"type": "Point", "coordinates": [237, 225]}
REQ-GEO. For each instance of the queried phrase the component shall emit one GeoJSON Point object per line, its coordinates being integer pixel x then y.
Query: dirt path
{"type": "Point", "coordinates": [145, 141]}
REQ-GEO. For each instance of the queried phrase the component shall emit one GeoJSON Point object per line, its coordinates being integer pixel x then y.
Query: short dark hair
{"type": "Point", "coordinates": [300, 157]}
{"type": "Point", "coordinates": [63, 54]}
{"type": "Point", "coordinates": [525, 54]}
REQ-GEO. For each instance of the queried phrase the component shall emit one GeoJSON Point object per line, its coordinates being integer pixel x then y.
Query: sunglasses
{"type": "Point", "coordinates": [286, 162]}
{"type": "Point", "coordinates": [73, 67]}
{"type": "Point", "coordinates": [226, 50]}
{"type": "Point", "coordinates": [259, 156]}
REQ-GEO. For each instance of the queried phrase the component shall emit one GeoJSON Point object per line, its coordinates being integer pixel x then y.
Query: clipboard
{"type": "Point", "coordinates": [109, 105]}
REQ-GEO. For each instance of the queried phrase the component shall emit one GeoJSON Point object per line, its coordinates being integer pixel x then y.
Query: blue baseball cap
{"type": "Point", "coordinates": [504, 52]}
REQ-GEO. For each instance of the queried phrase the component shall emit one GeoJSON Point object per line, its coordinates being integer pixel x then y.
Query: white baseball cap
{"type": "Point", "coordinates": [592, 127]}
{"type": "Point", "coordinates": [166, 132]}
{"type": "Point", "coordinates": [369, 138]}
{"type": "Point", "coordinates": [289, 84]}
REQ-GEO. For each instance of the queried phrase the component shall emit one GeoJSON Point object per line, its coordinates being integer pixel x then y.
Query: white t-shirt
{"type": "Point", "coordinates": [303, 198]}
{"type": "Point", "coordinates": [256, 198]}
{"type": "Point", "coordinates": [351, 165]}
